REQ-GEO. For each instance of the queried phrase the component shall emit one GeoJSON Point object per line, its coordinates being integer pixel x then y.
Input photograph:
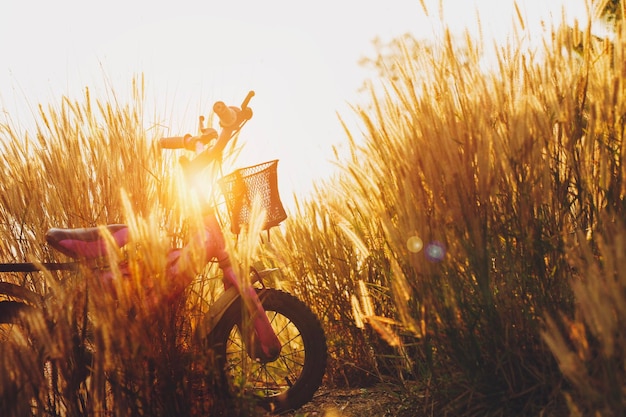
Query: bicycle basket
{"type": "Point", "coordinates": [243, 185]}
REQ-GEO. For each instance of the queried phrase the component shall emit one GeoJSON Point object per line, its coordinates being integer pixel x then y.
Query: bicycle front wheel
{"type": "Point", "coordinates": [288, 382]}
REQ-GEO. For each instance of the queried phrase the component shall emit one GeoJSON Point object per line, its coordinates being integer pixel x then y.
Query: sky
{"type": "Point", "coordinates": [301, 59]}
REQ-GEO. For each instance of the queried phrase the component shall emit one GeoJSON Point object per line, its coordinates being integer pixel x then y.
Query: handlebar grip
{"type": "Point", "coordinates": [227, 115]}
{"type": "Point", "coordinates": [173, 142]}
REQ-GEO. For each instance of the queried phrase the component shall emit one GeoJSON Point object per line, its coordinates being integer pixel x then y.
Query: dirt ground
{"type": "Point", "coordinates": [377, 401]}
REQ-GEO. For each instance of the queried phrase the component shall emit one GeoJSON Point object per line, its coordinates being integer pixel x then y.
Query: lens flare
{"type": "Point", "coordinates": [435, 252]}
{"type": "Point", "coordinates": [414, 244]}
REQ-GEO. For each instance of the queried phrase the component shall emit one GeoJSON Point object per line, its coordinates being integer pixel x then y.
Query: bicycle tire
{"type": "Point", "coordinates": [294, 323]}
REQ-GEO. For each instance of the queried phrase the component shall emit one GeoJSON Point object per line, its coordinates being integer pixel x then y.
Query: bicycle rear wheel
{"type": "Point", "coordinates": [291, 380]}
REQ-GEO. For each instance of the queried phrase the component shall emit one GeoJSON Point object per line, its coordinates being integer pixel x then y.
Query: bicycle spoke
{"type": "Point", "coordinates": [272, 378]}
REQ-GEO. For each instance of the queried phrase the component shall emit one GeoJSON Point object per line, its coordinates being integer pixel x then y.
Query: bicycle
{"type": "Point", "coordinates": [281, 341]}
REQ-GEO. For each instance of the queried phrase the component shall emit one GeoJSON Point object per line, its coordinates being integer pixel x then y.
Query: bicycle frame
{"type": "Point", "coordinates": [32, 267]}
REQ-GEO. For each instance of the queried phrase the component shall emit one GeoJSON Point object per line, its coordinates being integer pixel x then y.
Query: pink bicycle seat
{"type": "Point", "coordinates": [85, 243]}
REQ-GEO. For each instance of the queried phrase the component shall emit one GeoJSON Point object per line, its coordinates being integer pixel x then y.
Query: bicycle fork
{"type": "Point", "coordinates": [260, 339]}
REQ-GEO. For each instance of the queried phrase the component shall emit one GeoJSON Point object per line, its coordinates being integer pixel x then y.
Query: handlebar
{"type": "Point", "coordinates": [231, 120]}
{"type": "Point", "coordinates": [227, 115]}
{"type": "Point", "coordinates": [188, 142]}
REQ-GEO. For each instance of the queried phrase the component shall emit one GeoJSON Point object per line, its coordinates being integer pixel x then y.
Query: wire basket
{"type": "Point", "coordinates": [242, 186]}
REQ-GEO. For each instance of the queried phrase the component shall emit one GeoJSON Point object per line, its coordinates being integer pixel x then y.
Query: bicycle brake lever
{"type": "Point", "coordinates": [244, 104]}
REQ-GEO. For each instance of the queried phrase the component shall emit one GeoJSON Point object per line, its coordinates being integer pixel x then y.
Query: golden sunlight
{"type": "Point", "coordinates": [301, 59]}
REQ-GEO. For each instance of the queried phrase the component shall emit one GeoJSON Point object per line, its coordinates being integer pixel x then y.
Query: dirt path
{"type": "Point", "coordinates": [377, 401]}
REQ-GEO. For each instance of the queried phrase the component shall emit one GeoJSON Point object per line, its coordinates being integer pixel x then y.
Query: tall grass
{"type": "Point", "coordinates": [456, 229]}
{"type": "Point", "coordinates": [70, 171]}
{"type": "Point", "coordinates": [471, 247]}
{"type": "Point", "coordinates": [91, 163]}
{"type": "Point", "coordinates": [320, 264]}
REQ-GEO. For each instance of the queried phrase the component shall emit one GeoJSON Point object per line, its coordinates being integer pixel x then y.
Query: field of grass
{"type": "Point", "coordinates": [471, 250]}
{"type": "Point", "coordinates": [474, 239]}
{"type": "Point", "coordinates": [91, 163]}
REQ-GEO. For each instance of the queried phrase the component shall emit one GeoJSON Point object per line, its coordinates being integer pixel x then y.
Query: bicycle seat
{"type": "Point", "coordinates": [85, 243]}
